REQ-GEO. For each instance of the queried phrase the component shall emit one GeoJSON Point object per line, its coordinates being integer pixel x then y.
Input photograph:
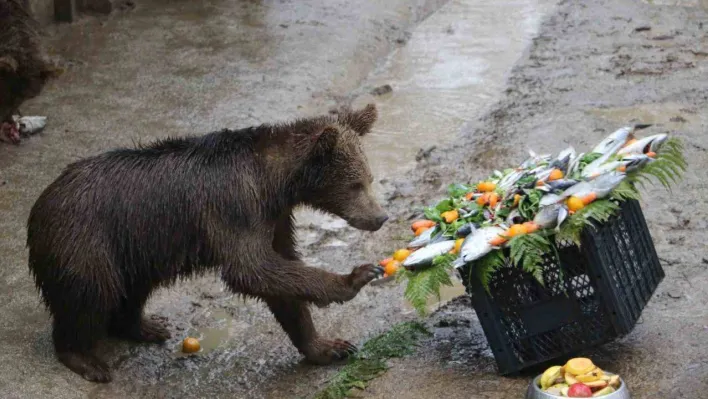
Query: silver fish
{"type": "Point", "coordinates": [604, 184]}
{"type": "Point", "coordinates": [550, 199]}
{"type": "Point", "coordinates": [595, 167]}
{"type": "Point", "coordinates": [563, 159]}
{"type": "Point", "coordinates": [574, 164]}
{"type": "Point", "coordinates": [425, 256]}
{"type": "Point", "coordinates": [579, 190]}
{"type": "Point", "coordinates": [647, 144]}
{"type": "Point", "coordinates": [509, 180]}
{"type": "Point", "coordinates": [28, 125]}
{"type": "Point", "coordinates": [561, 184]}
{"type": "Point", "coordinates": [477, 245]}
{"type": "Point", "coordinates": [551, 216]}
{"type": "Point", "coordinates": [635, 162]}
{"type": "Point", "coordinates": [618, 137]}
{"type": "Point", "coordinates": [423, 239]}
{"type": "Point", "coordinates": [605, 168]}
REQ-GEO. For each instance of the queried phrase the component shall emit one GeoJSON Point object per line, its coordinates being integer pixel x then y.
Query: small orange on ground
{"type": "Point", "coordinates": [515, 230]}
{"type": "Point", "coordinates": [384, 262]}
{"type": "Point", "coordinates": [493, 199]}
{"type": "Point", "coordinates": [469, 196]}
{"type": "Point", "coordinates": [422, 223]}
{"type": "Point", "coordinates": [420, 230]}
{"type": "Point", "coordinates": [555, 175]}
{"type": "Point", "coordinates": [539, 183]}
{"type": "Point", "coordinates": [392, 267]}
{"type": "Point", "coordinates": [651, 154]}
{"type": "Point", "coordinates": [190, 345]}
{"type": "Point", "coordinates": [517, 198]}
{"type": "Point", "coordinates": [531, 227]}
{"type": "Point", "coordinates": [497, 241]}
{"type": "Point", "coordinates": [483, 199]}
{"type": "Point", "coordinates": [401, 255]}
{"type": "Point", "coordinates": [589, 198]}
{"type": "Point", "coordinates": [575, 204]}
{"type": "Point", "coordinates": [458, 244]}
{"type": "Point", "coordinates": [450, 216]}
{"type": "Point", "coordinates": [486, 186]}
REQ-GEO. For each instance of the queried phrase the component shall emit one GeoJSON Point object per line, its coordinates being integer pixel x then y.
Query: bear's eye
{"type": "Point", "coordinates": [356, 186]}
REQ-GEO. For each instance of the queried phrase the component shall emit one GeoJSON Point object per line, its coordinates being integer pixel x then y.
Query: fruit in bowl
{"type": "Point", "coordinates": [578, 378]}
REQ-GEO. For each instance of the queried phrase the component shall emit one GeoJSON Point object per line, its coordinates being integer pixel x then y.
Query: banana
{"type": "Point", "coordinates": [570, 380]}
{"type": "Point", "coordinates": [549, 376]}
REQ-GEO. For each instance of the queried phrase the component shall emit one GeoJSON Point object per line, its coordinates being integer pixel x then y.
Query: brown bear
{"type": "Point", "coordinates": [24, 68]}
{"type": "Point", "coordinates": [112, 228]}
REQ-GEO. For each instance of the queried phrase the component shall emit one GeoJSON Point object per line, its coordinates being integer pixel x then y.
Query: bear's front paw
{"type": "Point", "coordinates": [362, 275]}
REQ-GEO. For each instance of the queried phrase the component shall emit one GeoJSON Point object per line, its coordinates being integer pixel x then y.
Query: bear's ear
{"type": "Point", "coordinates": [361, 121]}
{"type": "Point", "coordinates": [8, 64]}
{"type": "Point", "coordinates": [325, 139]}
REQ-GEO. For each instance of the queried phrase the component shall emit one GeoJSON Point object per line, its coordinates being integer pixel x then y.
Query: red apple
{"type": "Point", "coordinates": [579, 390]}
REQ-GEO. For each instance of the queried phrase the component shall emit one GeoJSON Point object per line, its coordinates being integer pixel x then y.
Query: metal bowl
{"type": "Point", "coordinates": [534, 392]}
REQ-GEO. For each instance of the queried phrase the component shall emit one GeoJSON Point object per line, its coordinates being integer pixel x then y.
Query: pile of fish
{"type": "Point", "coordinates": [538, 194]}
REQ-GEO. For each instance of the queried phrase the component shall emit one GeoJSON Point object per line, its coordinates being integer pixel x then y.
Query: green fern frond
{"type": "Point", "coordinates": [527, 250]}
{"type": "Point", "coordinates": [598, 211]}
{"type": "Point", "coordinates": [426, 283]}
{"type": "Point", "coordinates": [668, 167]}
{"type": "Point", "coordinates": [486, 266]}
{"type": "Point", "coordinates": [625, 191]}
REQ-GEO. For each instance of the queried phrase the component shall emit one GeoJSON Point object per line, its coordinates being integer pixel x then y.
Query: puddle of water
{"type": "Point", "coordinates": [218, 333]}
{"type": "Point", "coordinates": [454, 66]}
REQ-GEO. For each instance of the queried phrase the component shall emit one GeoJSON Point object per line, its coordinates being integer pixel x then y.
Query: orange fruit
{"type": "Point", "coordinates": [575, 204]}
{"type": "Point", "coordinates": [422, 223]}
{"type": "Point", "coordinates": [190, 345]}
{"type": "Point", "coordinates": [539, 183]}
{"type": "Point", "coordinates": [589, 198]}
{"type": "Point", "coordinates": [468, 196]}
{"type": "Point", "coordinates": [486, 186]}
{"type": "Point", "coordinates": [497, 241]}
{"type": "Point", "coordinates": [517, 199]}
{"type": "Point", "coordinates": [420, 230]}
{"type": "Point", "coordinates": [450, 216]}
{"type": "Point", "coordinates": [458, 244]}
{"type": "Point", "coordinates": [384, 262]}
{"type": "Point", "coordinates": [483, 199]}
{"type": "Point", "coordinates": [622, 169]}
{"type": "Point", "coordinates": [392, 267]}
{"type": "Point", "coordinates": [493, 199]}
{"type": "Point", "coordinates": [651, 154]}
{"type": "Point", "coordinates": [531, 227]}
{"type": "Point", "coordinates": [401, 255]}
{"type": "Point", "coordinates": [515, 230]}
{"type": "Point", "coordinates": [555, 175]}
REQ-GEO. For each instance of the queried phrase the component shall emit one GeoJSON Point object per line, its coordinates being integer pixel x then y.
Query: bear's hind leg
{"type": "Point", "coordinates": [294, 316]}
{"type": "Point", "coordinates": [128, 321]}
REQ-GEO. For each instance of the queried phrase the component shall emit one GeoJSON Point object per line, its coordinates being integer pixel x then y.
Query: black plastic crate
{"type": "Point", "coordinates": [597, 294]}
